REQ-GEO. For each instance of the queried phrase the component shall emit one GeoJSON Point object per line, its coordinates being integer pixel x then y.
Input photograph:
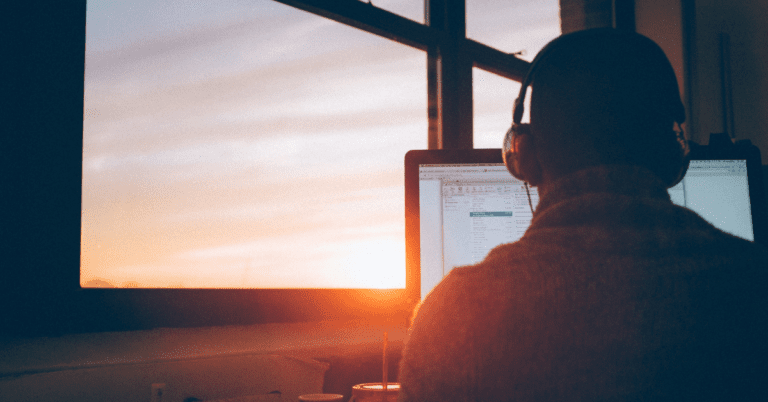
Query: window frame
{"type": "Point", "coordinates": [43, 295]}
{"type": "Point", "coordinates": [451, 57]}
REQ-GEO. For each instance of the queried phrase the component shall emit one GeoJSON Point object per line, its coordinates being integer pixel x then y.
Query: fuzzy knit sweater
{"type": "Point", "coordinates": [613, 294]}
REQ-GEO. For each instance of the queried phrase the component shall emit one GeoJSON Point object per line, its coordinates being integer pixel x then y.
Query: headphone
{"type": "Point", "coordinates": [673, 167]}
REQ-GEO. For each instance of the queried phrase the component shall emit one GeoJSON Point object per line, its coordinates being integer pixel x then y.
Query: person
{"type": "Point", "coordinates": [613, 292]}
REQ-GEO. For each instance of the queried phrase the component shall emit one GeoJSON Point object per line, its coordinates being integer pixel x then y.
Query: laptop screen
{"type": "Point", "coordinates": [468, 208]}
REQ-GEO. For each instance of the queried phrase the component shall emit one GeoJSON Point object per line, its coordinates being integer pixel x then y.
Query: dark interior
{"type": "Point", "coordinates": [44, 309]}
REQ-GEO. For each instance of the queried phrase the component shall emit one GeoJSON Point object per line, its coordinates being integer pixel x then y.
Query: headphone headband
{"type": "Point", "coordinates": [677, 163]}
{"type": "Point", "coordinates": [518, 108]}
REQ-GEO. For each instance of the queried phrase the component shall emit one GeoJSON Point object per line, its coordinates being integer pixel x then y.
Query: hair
{"type": "Point", "coordinates": [605, 96]}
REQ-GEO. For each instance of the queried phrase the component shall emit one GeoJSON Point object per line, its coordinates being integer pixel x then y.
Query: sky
{"type": "Point", "coordinates": [239, 144]}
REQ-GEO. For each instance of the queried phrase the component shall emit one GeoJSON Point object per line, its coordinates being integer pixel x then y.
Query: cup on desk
{"type": "Point", "coordinates": [375, 392]}
{"type": "Point", "coordinates": [321, 397]}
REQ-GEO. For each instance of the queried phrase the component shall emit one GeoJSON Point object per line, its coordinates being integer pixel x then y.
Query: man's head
{"type": "Point", "coordinates": [599, 97]}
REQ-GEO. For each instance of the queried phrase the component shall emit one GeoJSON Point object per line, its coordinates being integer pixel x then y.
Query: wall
{"type": "Point", "coordinates": [662, 21]}
{"type": "Point", "coordinates": [690, 33]}
{"type": "Point", "coordinates": [744, 22]}
{"type": "Point", "coordinates": [667, 22]}
{"type": "Point", "coordinates": [42, 146]}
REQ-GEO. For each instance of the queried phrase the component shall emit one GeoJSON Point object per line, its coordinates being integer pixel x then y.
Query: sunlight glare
{"type": "Point", "coordinates": [376, 263]}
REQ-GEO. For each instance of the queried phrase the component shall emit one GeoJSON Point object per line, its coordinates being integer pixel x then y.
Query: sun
{"type": "Point", "coordinates": [376, 264]}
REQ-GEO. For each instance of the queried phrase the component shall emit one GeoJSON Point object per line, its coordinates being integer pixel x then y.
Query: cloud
{"type": "Point", "coordinates": [309, 95]}
{"type": "Point", "coordinates": [316, 256]}
{"type": "Point", "coordinates": [512, 26]}
{"type": "Point", "coordinates": [220, 47]}
{"type": "Point", "coordinates": [262, 147]}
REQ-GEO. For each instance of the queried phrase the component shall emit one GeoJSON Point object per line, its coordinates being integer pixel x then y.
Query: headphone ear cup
{"type": "Point", "coordinates": [510, 153]}
{"type": "Point", "coordinates": [671, 164]}
{"type": "Point", "coordinates": [680, 162]}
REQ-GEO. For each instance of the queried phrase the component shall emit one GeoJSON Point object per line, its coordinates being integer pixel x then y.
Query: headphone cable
{"type": "Point", "coordinates": [530, 203]}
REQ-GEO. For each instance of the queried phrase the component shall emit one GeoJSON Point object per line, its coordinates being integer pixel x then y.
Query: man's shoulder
{"type": "Point", "coordinates": [499, 273]}
{"type": "Point", "coordinates": [504, 259]}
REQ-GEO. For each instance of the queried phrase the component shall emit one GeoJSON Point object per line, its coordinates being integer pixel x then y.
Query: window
{"type": "Point", "coordinates": [522, 27]}
{"type": "Point", "coordinates": [227, 142]}
{"type": "Point", "coordinates": [244, 145]}
{"type": "Point", "coordinates": [411, 9]}
{"type": "Point", "coordinates": [492, 102]}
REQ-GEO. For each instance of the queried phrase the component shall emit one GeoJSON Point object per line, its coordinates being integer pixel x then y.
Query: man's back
{"type": "Point", "coordinates": [612, 294]}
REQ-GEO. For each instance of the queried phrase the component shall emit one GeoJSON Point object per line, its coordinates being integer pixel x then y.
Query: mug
{"type": "Point", "coordinates": [375, 392]}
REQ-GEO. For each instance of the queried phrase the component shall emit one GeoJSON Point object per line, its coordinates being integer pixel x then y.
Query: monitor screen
{"type": "Point", "coordinates": [466, 209]}
{"type": "Point", "coordinates": [718, 190]}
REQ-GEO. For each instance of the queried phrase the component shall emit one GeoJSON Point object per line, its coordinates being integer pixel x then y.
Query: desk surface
{"type": "Point", "coordinates": [304, 340]}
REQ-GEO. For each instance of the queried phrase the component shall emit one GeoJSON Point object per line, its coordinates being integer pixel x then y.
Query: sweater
{"type": "Point", "coordinates": [613, 293]}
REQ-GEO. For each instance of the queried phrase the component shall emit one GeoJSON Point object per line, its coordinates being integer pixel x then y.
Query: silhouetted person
{"type": "Point", "coordinates": [614, 292]}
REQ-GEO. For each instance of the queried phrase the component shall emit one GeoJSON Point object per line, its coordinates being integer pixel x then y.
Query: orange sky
{"type": "Point", "coordinates": [254, 145]}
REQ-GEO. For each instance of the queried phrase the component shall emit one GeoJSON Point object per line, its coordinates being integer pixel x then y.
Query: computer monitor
{"type": "Point", "coordinates": [462, 203]}
{"type": "Point", "coordinates": [718, 191]}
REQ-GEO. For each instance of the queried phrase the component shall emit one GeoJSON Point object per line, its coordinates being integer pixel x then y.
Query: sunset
{"type": "Point", "coordinates": [254, 145]}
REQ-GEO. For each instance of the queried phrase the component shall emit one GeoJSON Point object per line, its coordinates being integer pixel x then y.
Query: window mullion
{"type": "Point", "coordinates": [450, 86]}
